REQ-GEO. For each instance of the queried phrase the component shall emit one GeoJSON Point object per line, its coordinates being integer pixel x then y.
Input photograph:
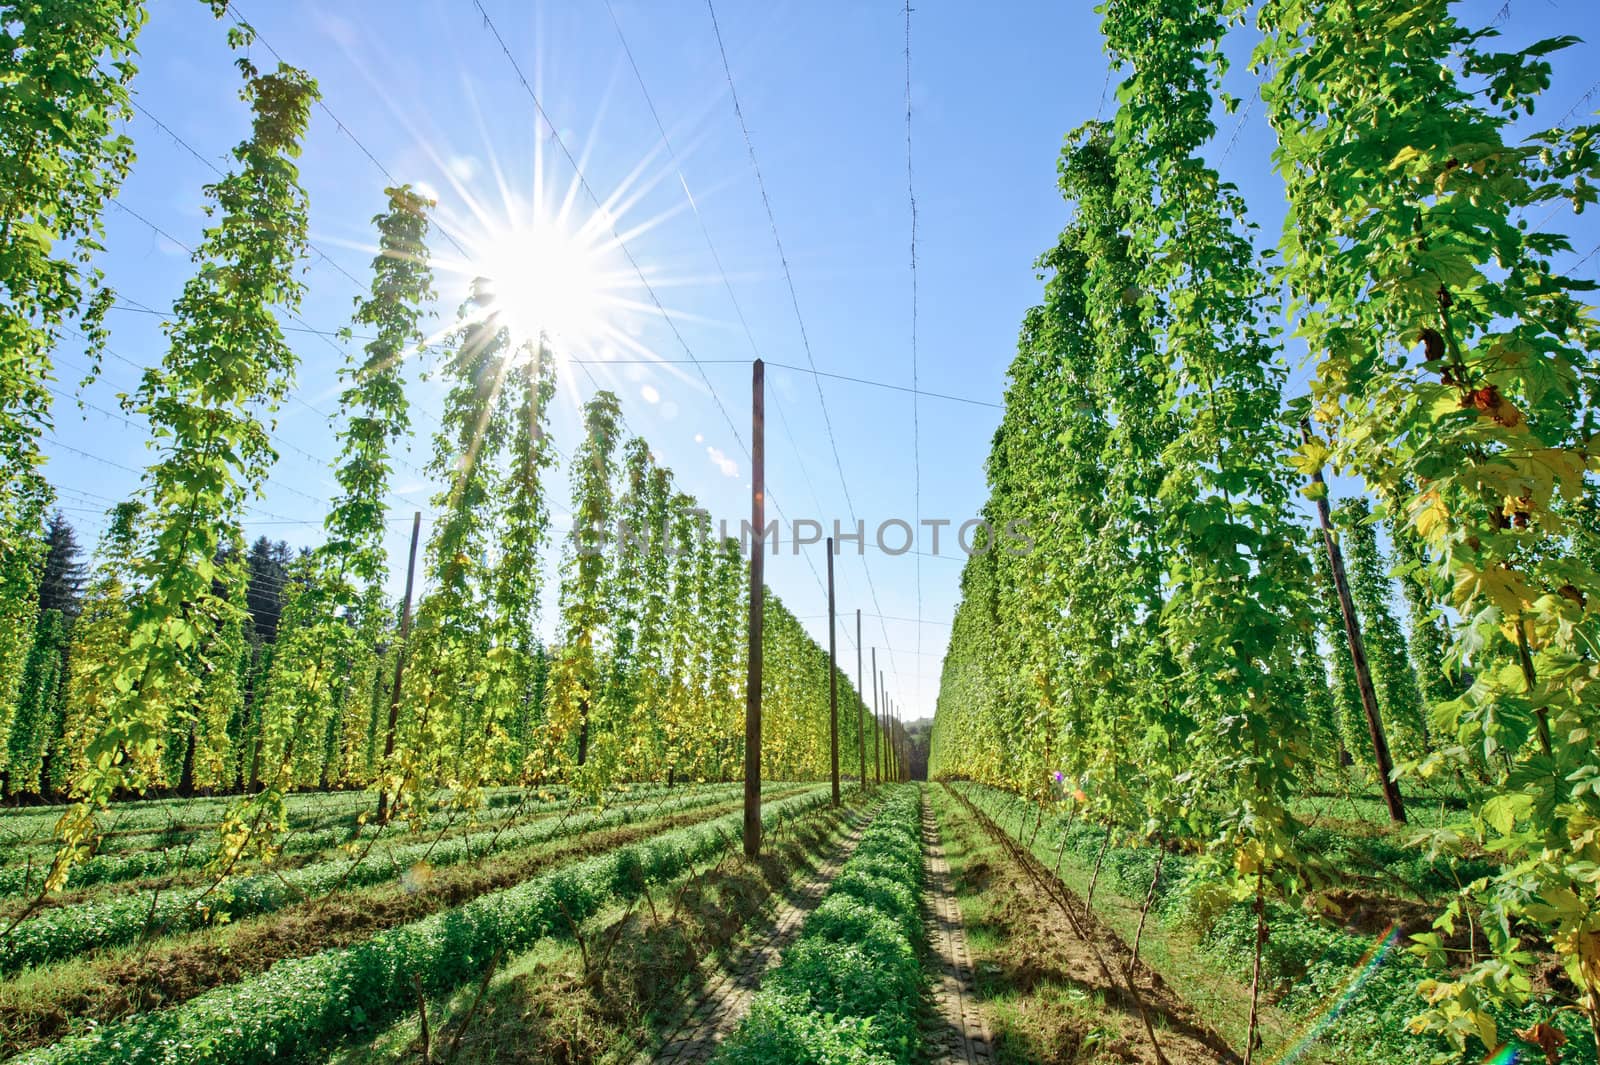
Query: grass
{"type": "Point", "coordinates": [849, 989]}
{"type": "Point", "coordinates": [1174, 952]}
{"type": "Point", "coordinates": [1335, 993]}
{"type": "Point", "coordinates": [303, 1008]}
{"type": "Point", "coordinates": [611, 995]}
{"type": "Point", "coordinates": [1034, 1020]}
{"type": "Point", "coordinates": [51, 1003]}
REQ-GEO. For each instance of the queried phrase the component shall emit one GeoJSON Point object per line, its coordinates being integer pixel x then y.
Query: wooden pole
{"type": "Point", "coordinates": [892, 767]}
{"type": "Point", "coordinates": [877, 723]}
{"type": "Point", "coordinates": [752, 681]}
{"type": "Point", "coordinates": [900, 740]}
{"type": "Point", "coordinates": [833, 680]}
{"type": "Point", "coordinates": [861, 702]}
{"type": "Point", "coordinates": [1358, 650]}
{"type": "Point", "coordinates": [894, 733]}
{"type": "Point", "coordinates": [883, 726]}
{"type": "Point", "coordinates": [888, 738]}
{"type": "Point", "coordinates": [905, 746]}
{"type": "Point", "coordinates": [888, 734]}
{"type": "Point", "coordinates": [399, 664]}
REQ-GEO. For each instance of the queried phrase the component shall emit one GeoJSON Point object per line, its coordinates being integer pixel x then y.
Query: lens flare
{"type": "Point", "coordinates": [1335, 1003]}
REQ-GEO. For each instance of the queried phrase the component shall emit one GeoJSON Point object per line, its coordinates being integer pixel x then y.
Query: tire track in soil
{"type": "Point", "coordinates": [1063, 938]}
{"type": "Point", "coordinates": [702, 1023]}
{"type": "Point", "coordinates": [964, 1038]}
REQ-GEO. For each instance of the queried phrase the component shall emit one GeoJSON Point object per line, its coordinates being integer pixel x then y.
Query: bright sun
{"type": "Point", "coordinates": [548, 284]}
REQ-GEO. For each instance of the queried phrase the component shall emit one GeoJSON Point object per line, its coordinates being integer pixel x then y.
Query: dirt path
{"type": "Point", "coordinates": [964, 1038]}
{"type": "Point", "coordinates": [704, 1022]}
{"type": "Point", "coordinates": [1074, 970]}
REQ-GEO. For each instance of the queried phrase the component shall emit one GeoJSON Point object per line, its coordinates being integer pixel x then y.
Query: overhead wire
{"type": "Point", "coordinates": [716, 258]}
{"type": "Point", "coordinates": [794, 299]}
{"type": "Point", "coordinates": [361, 289]}
{"type": "Point", "coordinates": [588, 190]}
{"type": "Point", "coordinates": [215, 169]}
{"type": "Point", "coordinates": [122, 417]}
{"type": "Point", "coordinates": [134, 306]}
{"type": "Point", "coordinates": [63, 445]}
{"type": "Point", "coordinates": [805, 370]}
{"type": "Point", "coordinates": [889, 617]}
{"type": "Point", "coordinates": [305, 327]}
{"type": "Point", "coordinates": [916, 423]}
{"type": "Point", "coordinates": [1556, 207]}
{"type": "Point", "coordinates": [622, 245]}
{"type": "Point", "coordinates": [1238, 127]}
{"type": "Point", "coordinates": [125, 420]}
{"type": "Point", "coordinates": [237, 14]}
{"type": "Point", "coordinates": [327, 336]}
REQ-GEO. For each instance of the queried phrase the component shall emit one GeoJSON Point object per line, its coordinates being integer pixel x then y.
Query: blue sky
{"type": "Point", "coordinates": [425, 88]}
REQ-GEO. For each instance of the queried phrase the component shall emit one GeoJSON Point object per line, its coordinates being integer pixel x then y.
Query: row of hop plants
{"type": "Point", "coordinates": [1349, 991]}
{"type": "Point", "coordinates": [114, 865]}
{"type": "Point", "coordinates": [1161, 657]}
{"type": "Point", "coordinates": [66, 931]}
{"type": "Point", "coordinates": [302, 1009]}
{"type": "Point", "coordinates": [850, 988]}
{"type": "Point", "coordinates": [143, 824]}
{"type": "Point", "coordinates": [161, 688]}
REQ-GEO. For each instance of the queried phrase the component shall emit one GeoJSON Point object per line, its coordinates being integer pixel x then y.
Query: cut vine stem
{"type": "Point", "coordinates": [1144, 910]}
{"type": "Point", "coordinates": [1062, 849]}
{"type": "Point", "coordinates": [477, 1000]}
{"type": "Point", "coordinates": [399, 665]}
{"type": "Point", "coordinates": [1530, 681]}
{"type": "Point", "coordinates": [1252, 1032]}
{"type": "Point", "coordinates": [422, 1018]}
{"type": "Point", "coordinates": [1094, 878]}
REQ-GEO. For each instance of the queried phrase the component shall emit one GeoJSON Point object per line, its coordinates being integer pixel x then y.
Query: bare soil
{"type": "Point", "coordinates": [615, 995]}
{"type": "Point", "coordinates": [1052, 980]}
{"type": "Point", "coordinates": [108, 989]}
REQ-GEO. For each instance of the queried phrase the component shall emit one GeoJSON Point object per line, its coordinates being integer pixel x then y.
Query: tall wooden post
{"type": "Point", "coordinates": [833, 680]}
{"type": "Point", "coordinates": [894, 731]}
{"type": "Point", "coordinates": [888, 733]}
{"type": "Point", "coordinates": [883, 720]}
{"type": "Point", "coordinates": [905, 746]}
{"type": "Point", "coordinates": [883, 723]}
{"type": "Point", "coordinates": [399, 665]}
{"type": "Point", "coordinates": [877, 723]}
{"type": "Point", "coordinates": [891, 753]}
{"type": "Point", "coordinates": [1358, 649]}
{"type": "Point", "coordinates": [899, 746]}
{"type": "Point", "coordinates": [861, 707]}
{"type": "Point", "coordinates": [752, 680]}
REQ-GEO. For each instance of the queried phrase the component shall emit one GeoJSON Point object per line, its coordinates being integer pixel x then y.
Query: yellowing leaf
{"type": "Point", "coordinates": [1430, 517]}
{"type": "Point", "coordinates": [1309, 457]}
{"type": "Point", "coordinates": [1500, 586]}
